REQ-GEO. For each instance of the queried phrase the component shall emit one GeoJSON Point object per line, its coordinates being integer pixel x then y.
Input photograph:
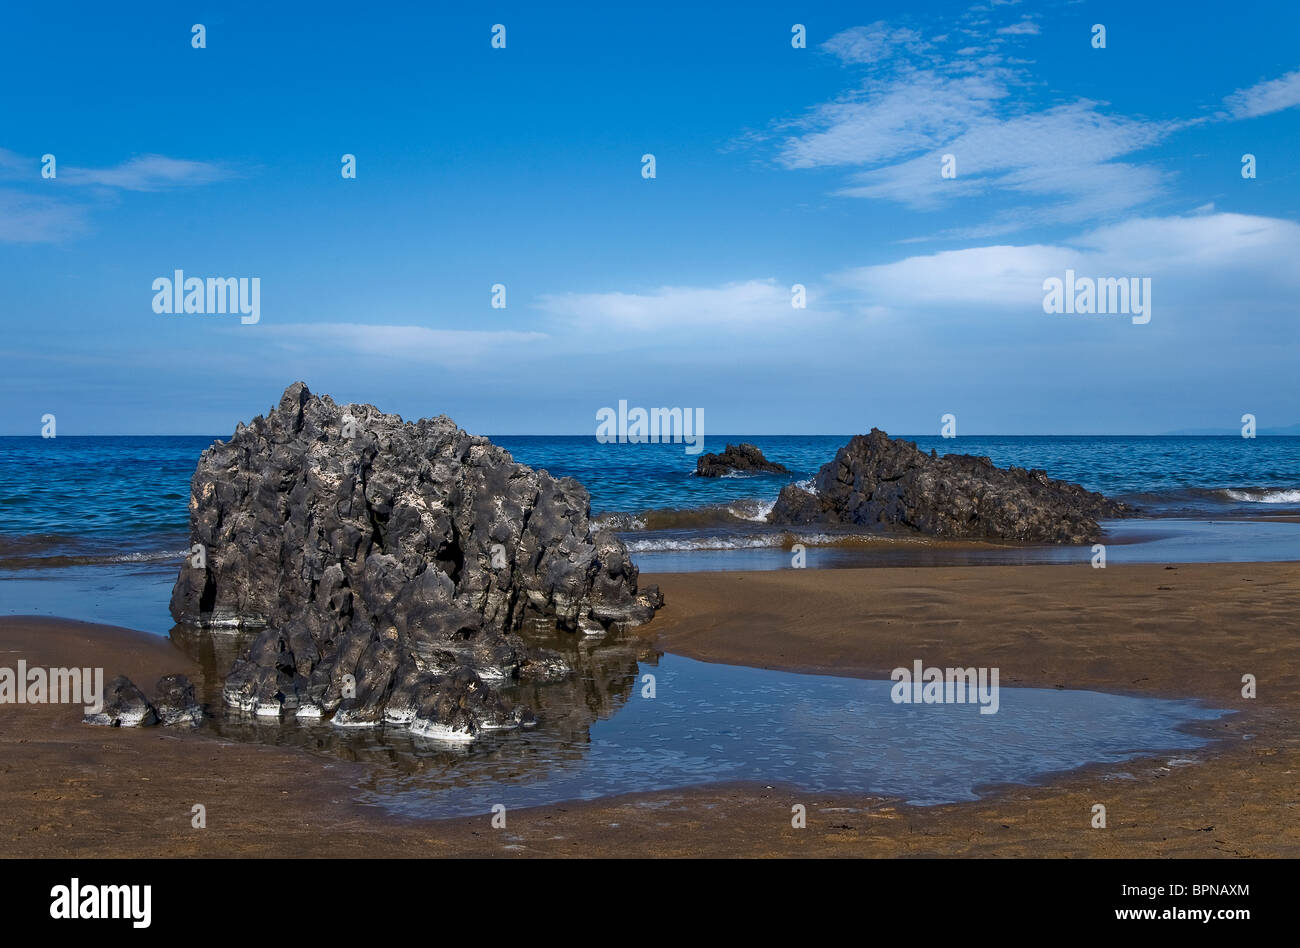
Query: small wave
{"type": "Point", "coordinates": [618, 521]}
{"type": "Point", "coordinates": [1265, 495]}
{"type": "Point", "coordinates": [61, 559]}
{"type": "Point", "coordinates": [747, 510]}
{"type": "Point", "coordinates": [753, 510]}
{"type": "Point", "coordinates": [683, 544]}
{"type": "Point", "coordinates": [152, 557]}
{"type": "Point", "coordinates": [775, 540]}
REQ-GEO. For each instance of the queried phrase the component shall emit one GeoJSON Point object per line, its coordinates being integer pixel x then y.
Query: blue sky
{"type": "Point", "coordinates": [775, 166]}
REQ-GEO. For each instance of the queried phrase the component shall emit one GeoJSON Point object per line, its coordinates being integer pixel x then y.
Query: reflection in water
{"type": "Point", "coordinates": [599, 734]}
{"type": "Point", "coordinates": [605, 673]}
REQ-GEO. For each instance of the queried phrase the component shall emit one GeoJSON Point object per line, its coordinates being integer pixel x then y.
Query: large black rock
{"type": "Point", "coordinates": [888, 483]}
{"type": "Point", "coordinates": [394, 568]}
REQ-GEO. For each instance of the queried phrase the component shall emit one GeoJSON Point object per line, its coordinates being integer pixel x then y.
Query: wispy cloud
{"type": "Point", "coordinates": [892, 119]}
{"type": "Point", "coordinates": [1066, 153]}
{"type": "Point", "coordinates": [35, 218]}
{"type": "Point", "coordinates": [1026, 27]}
{"type": "Point", "coordinates": [1264, 98]}
{"type": "Point", "coordinates": [961, 94]}
{"type": "Point", "coordinates": [920, 101]}
{"type": "Point", "coordinates": [148, 173]}
{"type": "Point", "coordinates": [35, 209]}
{"type": "Point", "coordinates": [874, 43]}
{"type": "Point", "coordinates": [732, 306]}
{"type": "Point", "coordinates": [453, 348]}
{"type": "Point", "coordinates": [1203, 262]}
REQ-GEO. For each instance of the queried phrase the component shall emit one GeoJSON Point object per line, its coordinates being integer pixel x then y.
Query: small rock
{"type": "Point", "coordinates": [124, 706]}
{"type": "Point", "coordinates": [741, 458]}
{"type": "Point", "coordinates": [176, 704]}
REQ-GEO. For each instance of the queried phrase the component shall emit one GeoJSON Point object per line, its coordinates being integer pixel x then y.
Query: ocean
{"type": "Point", "coordinates": [93, 527]}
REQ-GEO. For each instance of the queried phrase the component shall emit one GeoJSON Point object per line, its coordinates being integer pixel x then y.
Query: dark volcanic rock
{"type": "Point", "coordinates": [881, 482]}
{"type": "Point", "coordinates": [124, 706]}
{"type": "Point", "coordinates": [176, 704]}
{"type": "Point", "coordinates": [738, 457]}
{"type": "Point", "coordinates": [392, 567]}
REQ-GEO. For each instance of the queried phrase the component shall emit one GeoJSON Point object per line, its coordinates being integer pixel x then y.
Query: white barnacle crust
{"type": "Point", "coordinates": [441, 732]}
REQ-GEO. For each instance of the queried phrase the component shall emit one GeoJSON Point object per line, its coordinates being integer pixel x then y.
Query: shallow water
{"type": "Point", "coordinates": [130, 595]}
{"type": "Point", "coordinates": [599, 735]}
{"type": "Point", "coordinates": [603, 732]}
{"type": "Point", "coordinates": [1127, 541]}
{"type": "Point", "coordinates": [133, 591]}
{"type": "Point", "coordinates": [719, 723]}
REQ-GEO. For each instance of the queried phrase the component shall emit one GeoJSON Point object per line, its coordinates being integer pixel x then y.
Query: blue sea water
{"type": "Point", "coordinates": [1212, 475]}
{"type": "Point", "coordinates": [93, 527]}
{"type": "Point", "coordinates": [130, 489]}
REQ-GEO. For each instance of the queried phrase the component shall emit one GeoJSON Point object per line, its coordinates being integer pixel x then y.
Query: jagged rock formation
{"type": "Point", "coordinates": [392, 567]}
{"type": "Point", "coordinates": [880, 482]}
{"type": "Point", "coordinates": [743, 457]}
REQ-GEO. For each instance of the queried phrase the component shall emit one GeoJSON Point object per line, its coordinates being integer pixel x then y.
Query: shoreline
{"type": "Point", "coordinates": [74, 790]}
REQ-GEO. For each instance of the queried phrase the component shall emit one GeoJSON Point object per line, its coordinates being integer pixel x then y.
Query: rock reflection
{"type": "Point", "coordinates": [599, 735]}
{"type": "Point", "coordinates": [604, 678]}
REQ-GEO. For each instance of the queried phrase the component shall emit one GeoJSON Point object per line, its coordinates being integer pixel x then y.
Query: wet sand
{"type": "Point", "coordinates": [67, 789]}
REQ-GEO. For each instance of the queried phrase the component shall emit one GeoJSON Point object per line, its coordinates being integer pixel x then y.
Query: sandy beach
{"type": "Point", "coordinates": [1188, 631]}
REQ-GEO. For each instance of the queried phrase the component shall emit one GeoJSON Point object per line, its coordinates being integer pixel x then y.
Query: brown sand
{"type": "Point", "coordinates": [67, 789]}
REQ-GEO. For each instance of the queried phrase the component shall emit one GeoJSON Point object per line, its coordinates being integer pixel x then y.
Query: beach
{"type": "Point", "coordinates": [1176, 630]}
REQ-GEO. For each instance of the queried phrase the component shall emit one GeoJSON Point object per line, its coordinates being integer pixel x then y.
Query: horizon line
{"type": "Point", "coordinates": [1226, 433]}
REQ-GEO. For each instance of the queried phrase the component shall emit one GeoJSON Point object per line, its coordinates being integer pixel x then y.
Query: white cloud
{"type": "Point", "coordinates": [869, 44]}
{"type": "Point", "coordinates": [147, 173]}
{"type": "Point", "coordinates": [984, 276]}
{"type": "Point", "coordinates": [1208, 262]}
{"type": "Point", "coordinates": [454, 348]}
{"type": "Point", "coordinates": [1026, 27]}
{"type": "Point", "coordinates": [1204, 260]}
{"type": "Point", "coordinates": [1064, 153]}
{"type": "Point", "coordinates": [1053, 164]}
{"type": "Point", "coordinates": [1265, 98]}
{"type": "Point", "coordinates": [41, 210]}
{"type": "Point", "coordinates": [733, 305]}
{"type": "Point", "coordinates": [892, 119]}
